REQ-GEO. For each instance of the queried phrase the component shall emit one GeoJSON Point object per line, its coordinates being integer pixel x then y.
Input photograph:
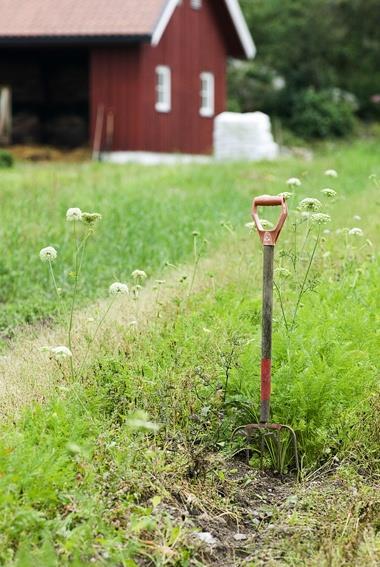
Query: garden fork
{"type": "Point", "coordinates": [268, 239]}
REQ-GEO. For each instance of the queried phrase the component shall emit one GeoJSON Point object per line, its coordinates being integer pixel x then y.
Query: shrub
{"type": "Point", "coordinates": [322, 114]}
{"type": "Point", "coordinates": [6, 159]}
{"type": "Point", "coordinates": [253, 87]}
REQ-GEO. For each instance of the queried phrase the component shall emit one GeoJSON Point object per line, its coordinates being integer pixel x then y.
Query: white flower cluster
{"type": "Point", "coordinates": [331, 173]}
{"type": "Point", "coordinates": [286, 195]}
{"type": "Point", "coordinates": [139, 275]}
{"type": "Point", "coordinates": [59, 352]}
{"type": "Point", "coordinates": [356, 232]}
{"type": "Point", "coordinates": [320, 218]}
{"type": "Point", "coordinates": [294, 182]}
{"type": "Point", "coordinates": [250, 225]}
{"type": "Point", "coordinates": [73, 214]}
{"type": "Point", "coordinates": [48, 254]}
{"type": "Point", "coordinates": [310, 204]}
{"type": "Point", "coordinates": [330, 193]}
{"type": "Point", "coordinates": [118, 288]}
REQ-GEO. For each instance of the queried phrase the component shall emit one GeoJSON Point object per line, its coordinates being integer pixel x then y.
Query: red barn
{"type": "Point", "coordinates": [125, 75]}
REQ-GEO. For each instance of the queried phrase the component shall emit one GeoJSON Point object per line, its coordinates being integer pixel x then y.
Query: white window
{"type": "Point", "coordinates": [163, 89]}
{"type": "Point", "coordinates": [207, 107]}
{"type": "Point", "coordinates": [196, 4]}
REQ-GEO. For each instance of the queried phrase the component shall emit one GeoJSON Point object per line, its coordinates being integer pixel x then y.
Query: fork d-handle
{"type": "Point", "coordinates": [266, 338]}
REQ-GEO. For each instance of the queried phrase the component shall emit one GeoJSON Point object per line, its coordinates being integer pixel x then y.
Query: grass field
{"type": "Point", "coordinates": [125, 462]}
{"type": "Point", "coordinates": [148, 217]}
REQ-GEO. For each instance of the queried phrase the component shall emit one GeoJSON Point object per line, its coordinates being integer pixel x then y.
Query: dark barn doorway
{"type": "Point", "coordinates": [50, 94]}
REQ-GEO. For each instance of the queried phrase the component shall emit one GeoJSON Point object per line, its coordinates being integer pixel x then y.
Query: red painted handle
{"type": "Point", "coordinates": [268, 201]}
{"type": "Point", "coordinates": [269, 237]}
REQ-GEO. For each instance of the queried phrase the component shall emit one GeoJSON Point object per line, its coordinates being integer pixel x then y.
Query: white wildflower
{"type": "Point", "coordinates": [160, 282]}
{"type": "Point", "coordinates": [356, 232]}
{"type": "Point", "coordinates": [331, 173]}
{"type": "Point", "coordinates": [357, 217]}
{"type": "Point", "coordinates": [48, 254]}
{"type": "Point", "coordinates": [59, 352]}
{"type": "Point", "coordinates": [320, 218]}
{"type": "Point", "coordinates": [139, 274]}
{"type": "Point", "coordinates": [74, 214]}
{"type": "Point", "coordinates": [294, 182]}
{"type": "Point", "coordinates": [118, 288]}
{"type": "Point", "coordinates": [327, 231]}
{"type": "Point", "coordinates": [310, 204]}
{"type": "Point", "coordinates": [286, 195]}
{"type": "Point", "coordinates": [250, 225]}
{"type": "Point", "coordinates": [330, 193]}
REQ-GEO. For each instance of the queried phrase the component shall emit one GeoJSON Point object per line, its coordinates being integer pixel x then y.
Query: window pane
{"type": "Point", "coordinates": [207, 94]}
{"type": "Point", "coordinates": [163, 88]}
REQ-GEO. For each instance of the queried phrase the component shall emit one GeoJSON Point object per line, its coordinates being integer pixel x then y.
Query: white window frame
{"type": "Point", "coordinates": [163, 88]}
{"type": "Point", "coordinates": [207, 94]}
{"type": "Point", "coordinates": [196, 4]}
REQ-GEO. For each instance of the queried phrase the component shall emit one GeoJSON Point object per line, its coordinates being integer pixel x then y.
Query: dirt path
{"type": "Point", "coordinates": [26, 371]}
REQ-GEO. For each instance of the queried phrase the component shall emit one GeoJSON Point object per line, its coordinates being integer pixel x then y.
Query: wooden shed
{"type": "Point", "coordinates": [127, 75]}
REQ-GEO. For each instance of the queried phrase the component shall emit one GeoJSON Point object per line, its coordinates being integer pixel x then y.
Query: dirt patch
{"type": "Point", "coordinates": [229, 511]}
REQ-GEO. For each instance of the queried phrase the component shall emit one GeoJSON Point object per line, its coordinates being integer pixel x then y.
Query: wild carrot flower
{"type": "Point", "coordinates": [356, 232]}
{"type": "Point", "coordinates": [250, 225]}
{"type": "Point", "coordinates": [294, 182]}
{"type": "Point", "coordinates": [48, 254]}
{"type": "Point", "coordinates": [286, 195]}
{"type": "Point", "coordinates": [90, 218]}
{"type": "Point", "coordinates": [118, 288]}
{"type": "Point", "coordinates": [320, 218]}
{"type": "Point", "coordinates": [59, 352]}
{"type": "Point", "coordinates": [139, 275]}
{"type": "Point", "coordinates": [331, 173]}
{"type": "Point", "coordinates": [310, 204]}
{"type": "Point", "coordinates": [74, 214]}
{"type": "Point", "coordinates": [357, 217]}
{"type": "Point", "coordinates": [330, 193]}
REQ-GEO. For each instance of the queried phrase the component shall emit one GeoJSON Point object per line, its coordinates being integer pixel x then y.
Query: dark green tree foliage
{"type": "Point", "coordinates": [316, 46]}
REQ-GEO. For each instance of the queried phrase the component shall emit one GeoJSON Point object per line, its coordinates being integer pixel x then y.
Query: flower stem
{"type": "Point", "coordinates": [304, 282]}
{"type": "Point", "coordinates": [100, 323]}
{"type": "Point", "coordinates": [281, 305]}
{"type": "Point", "coordinates": [73, 297]}
{"type": "Point", "coordinates": [53, 279]}
{"type": "Point", "coordinates": [197, 257]}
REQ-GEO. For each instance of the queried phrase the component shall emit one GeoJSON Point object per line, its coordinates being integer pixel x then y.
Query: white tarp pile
{"type": "Point", "coordinates": [244, 136]}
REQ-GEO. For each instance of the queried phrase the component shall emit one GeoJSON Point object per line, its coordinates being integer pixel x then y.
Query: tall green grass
{"type": "Point", "coordinates": [148, 217]}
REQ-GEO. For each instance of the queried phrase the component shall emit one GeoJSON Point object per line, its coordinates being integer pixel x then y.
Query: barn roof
{"type": "Point", "coordinates": [27, 20]}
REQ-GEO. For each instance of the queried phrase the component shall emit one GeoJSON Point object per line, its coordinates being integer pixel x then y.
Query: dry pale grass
{"type": "Point", "coordinates": [28, 373]}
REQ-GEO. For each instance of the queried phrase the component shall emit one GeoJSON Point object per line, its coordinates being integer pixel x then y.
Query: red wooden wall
{"type": "Point", "coordinates": [123, 80]}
